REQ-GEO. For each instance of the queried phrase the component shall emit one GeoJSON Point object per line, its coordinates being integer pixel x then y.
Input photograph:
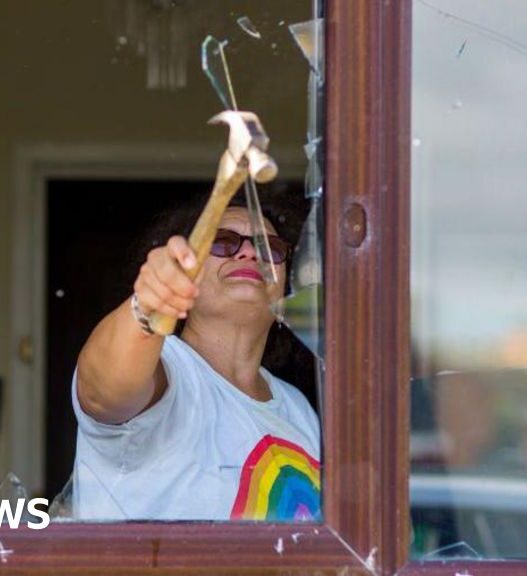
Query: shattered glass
{"type": "Point", "coordinates": [468, 488]}
{"type": "Point", "coordinates": [245, 23]}
{"type": "Point", "coordinates": [13, 491]}
{"type": "Point", "coordinates": [61, 508]}
{"type": "Point", "coordinates": [145, 55]}
{"type": "Point", "coordinates": [310, 39]}
{"type": "Point", "coordinates": [261, 242]}
{"type": "Point", "coordinates": [214, 64]}
{"type": "Point", "coordinates": [302, 311]}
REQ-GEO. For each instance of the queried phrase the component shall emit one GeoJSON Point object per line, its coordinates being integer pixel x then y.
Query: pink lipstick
{"type": "Point", "coordinates": [246, 273]}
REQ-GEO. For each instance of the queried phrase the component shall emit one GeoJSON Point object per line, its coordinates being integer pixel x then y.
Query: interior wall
{"type": "Point", "coordinates": [5, 245]}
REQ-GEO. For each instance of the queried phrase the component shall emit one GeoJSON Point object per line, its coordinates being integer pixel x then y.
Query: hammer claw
{"type": "Point", "coordinates": [245, 156]}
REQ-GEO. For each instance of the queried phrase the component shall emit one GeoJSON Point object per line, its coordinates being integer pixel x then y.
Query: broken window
{"type": "Point", "coordinates": [115, 138]}
{"type": "Point", "coordinates": [469, 281]}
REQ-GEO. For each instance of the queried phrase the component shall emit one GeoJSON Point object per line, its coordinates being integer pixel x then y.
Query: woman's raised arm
{"type": "Point", "coordinates": [119, 373]}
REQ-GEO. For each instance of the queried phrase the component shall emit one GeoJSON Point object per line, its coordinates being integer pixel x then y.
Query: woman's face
{"type": "Point", "coordinates": [238, 279]}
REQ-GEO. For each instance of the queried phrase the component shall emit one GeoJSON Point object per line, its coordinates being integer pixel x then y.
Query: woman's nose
{"type": "Point", "coordinates": [246, 250]}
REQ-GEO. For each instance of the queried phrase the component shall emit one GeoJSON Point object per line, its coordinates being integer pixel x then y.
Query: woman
{"type": "Point", "coordinates": [192, 427]}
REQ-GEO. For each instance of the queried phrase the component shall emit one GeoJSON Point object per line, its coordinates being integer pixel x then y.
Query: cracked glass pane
{"type": "Point", "coordinates": [469, 280]}
{"type": "Point", "coordinates": [167, 431]}
{"type": "Point", "coordinates": [302, 310]}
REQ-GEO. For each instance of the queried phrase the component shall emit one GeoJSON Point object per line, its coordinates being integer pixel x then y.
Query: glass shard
{"type": "Point", "coordinates": [261, 242]}
{"type": "Point", "coordinates": [302, 314]}
{"type": "Point", "coordinates": [310, 39]}
{"type": "Point", "coordinates": [61, 509]}
{"type": "Point", "coordinates": [12, 489]}
{"type": "Point", "coordinates": [244, 22]}
{"type": "Point", "coordinates": [214, 64]}
{"type": "Point", "coordinates": [314, 151]}
{"type": "Point", "coordinates": [303, 310]}
{"type": "Point", "coordinates": [306, 268]}
{"type": "Point", "coordinates": [311, 147]}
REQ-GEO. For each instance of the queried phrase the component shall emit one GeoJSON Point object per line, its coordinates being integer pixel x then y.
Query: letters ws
{"type": "Point", "coordinates": [14, 518]}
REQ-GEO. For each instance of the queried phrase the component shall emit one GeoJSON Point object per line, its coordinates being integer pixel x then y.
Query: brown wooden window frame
{"type": "Point", "coordinates": [366, 396]}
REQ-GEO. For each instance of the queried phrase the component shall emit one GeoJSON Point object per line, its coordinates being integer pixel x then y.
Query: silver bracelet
{"type": "Point", "coordinates": [140, 316]}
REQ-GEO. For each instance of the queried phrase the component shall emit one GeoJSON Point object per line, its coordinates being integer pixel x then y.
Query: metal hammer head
{"type": "Point", "coordinates": [248, 139]}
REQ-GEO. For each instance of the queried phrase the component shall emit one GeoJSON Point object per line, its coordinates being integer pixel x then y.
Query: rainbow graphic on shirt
{"type": "Point", "coordinates": [279, 481]}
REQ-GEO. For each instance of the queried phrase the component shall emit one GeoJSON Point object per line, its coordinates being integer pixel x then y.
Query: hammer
{"type": "Point", "coordinates": [245, 155]}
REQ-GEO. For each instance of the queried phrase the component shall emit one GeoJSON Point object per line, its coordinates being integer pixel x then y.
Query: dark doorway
{"type": "Point", "coordinates": [92, 225]}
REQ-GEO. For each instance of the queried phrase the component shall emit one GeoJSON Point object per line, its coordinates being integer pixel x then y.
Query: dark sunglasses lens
{"type": "Point", "coordinates": [226, 244]}
{"type": "Point", "coordinates": [279, 249]}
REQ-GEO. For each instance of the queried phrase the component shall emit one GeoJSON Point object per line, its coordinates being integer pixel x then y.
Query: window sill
{"type": "Point", "coordinates": [165, 548]}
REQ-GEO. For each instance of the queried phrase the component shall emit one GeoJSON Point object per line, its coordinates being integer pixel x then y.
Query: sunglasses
{"type": "Point", "coordinates": [228, 242]}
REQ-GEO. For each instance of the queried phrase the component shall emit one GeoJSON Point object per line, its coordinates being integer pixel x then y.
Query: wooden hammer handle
{"type": "Point", "coordinates": [204, 231]}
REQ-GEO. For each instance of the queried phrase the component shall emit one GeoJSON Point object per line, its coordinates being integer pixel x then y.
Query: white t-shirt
{"type": "Point", "coordinates": [204, 451]}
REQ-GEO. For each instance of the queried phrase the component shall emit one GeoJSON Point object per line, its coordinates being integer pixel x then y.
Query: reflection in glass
{"type": "Point", "coordinates": [156, 31]}
{"type": "Point", "coordinates": [469, 280]}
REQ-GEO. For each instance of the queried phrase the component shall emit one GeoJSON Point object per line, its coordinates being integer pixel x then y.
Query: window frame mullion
{"type": "Point", "coordinates": [368, 351]}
